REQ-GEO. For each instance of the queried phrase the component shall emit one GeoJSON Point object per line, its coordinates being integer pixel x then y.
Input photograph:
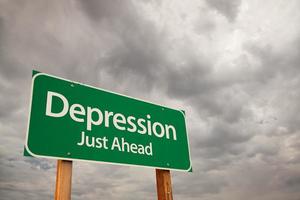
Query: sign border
{"type": "Point", "coordinates": [36, 74]}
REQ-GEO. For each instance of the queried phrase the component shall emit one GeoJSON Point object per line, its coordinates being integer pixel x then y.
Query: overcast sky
{"type": "Point", "coordinates": [233, 66]}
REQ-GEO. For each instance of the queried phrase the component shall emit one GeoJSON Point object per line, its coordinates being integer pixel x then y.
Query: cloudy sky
{"type": "Point", "coordinates": [233, 66]}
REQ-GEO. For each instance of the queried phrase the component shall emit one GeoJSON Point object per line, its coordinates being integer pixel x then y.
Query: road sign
{"type": "Point", "coordinates": [73, 121]}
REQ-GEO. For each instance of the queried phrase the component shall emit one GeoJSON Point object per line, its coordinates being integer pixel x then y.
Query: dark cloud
{"type": "Point", "coordinates": [40, 164]}
{"type": "Point", "coordinates": [224, 135]}
{"type": "Point", "coordinates": [229, 9]}
{"type": "Point", "coordinates": [138, 53]}
{"type": "Point", "coordinates": [275, 63]}
{"type": "Point", "coordinates": [197, 188]}
{"type": "Point", "coordinates": [190, 81]}
{"type": "Point", "coordinates": [293, 183]}
{"type": "Point", "coordinates": [105, 9]}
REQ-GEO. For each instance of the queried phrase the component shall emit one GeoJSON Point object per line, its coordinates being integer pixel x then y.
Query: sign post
{"type": "Point", "coordinates": [63, 180]}
{"type": "Point", "coordinates": [164, 184]}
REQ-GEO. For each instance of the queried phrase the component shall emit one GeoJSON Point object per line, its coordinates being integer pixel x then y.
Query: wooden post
{"type": "Point", "coordinates": [63, 180]}
{"type": "Point", "coordinates": [163, 184]}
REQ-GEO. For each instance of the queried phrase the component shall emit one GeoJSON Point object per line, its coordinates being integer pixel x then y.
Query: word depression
{"type": "Point", "coordinates": [93, 116]}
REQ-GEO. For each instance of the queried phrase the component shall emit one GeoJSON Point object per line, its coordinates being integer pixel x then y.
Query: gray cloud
{"type": "Point", "coordinates": [293, 183]}
{"type": "Point", "coordinates": [99, 10]}
{"type": "Point", "coordinates": [229, 9]}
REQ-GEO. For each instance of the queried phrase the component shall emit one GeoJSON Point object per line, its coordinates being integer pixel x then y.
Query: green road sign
{"type": "Point", "coordinates": [73, 121]}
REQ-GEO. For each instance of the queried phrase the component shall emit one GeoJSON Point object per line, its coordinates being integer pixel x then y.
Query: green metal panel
{"type": "Point", "coordinates": [112, 125]}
